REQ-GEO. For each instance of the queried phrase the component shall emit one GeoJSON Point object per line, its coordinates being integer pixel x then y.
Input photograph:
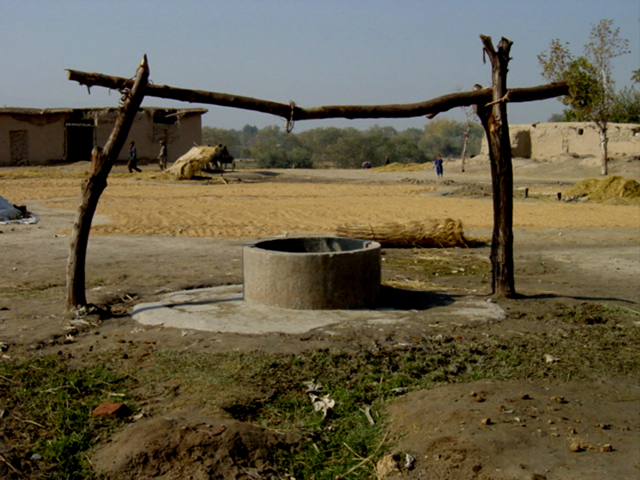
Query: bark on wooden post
{"type": "Point", "coordinates": [496, 125]}
{"type": "Point", "coordinates": [102, 161]}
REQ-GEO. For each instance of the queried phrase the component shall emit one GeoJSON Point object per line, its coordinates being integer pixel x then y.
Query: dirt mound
{"type": "Point", "coordinates": [507, 430]}
{"type": "Point", "coordinates": [400, 167]}
{"type": "Point", "coordinates": [189, 445]}
{"type": "Point", "coordinates": [614, 188]}
{"type": "Point", "coordinates": [474, 190]}
{"type": "Point", "coordinates": [428, 233]}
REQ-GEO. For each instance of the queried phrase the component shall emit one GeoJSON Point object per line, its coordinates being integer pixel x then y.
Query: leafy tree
{"type": "Point", "coordinates": [247, 138]}
{"type": "Point", "coordinates": [276, 149]}
{"type": "Point", "coordinates": [300, 158]}
{"type": "Point", "coordinates": [405, 147]}
{"type": "Point", "coordinates": [214, 136]}
{"type": "Point", "coordinates": [350, 151]}
{"type": "Point", "coordinates": [469, 119]}
{"type": "Point", "coordinates": [318, 141]}
{"type": "Point", "coordinates": [626, 106]}
{"type": "Point", "coordinates": [447, 137]}
{"type": "Point", "coordinates": [591, 87]}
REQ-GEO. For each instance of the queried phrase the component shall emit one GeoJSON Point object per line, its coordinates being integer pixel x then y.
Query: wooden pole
{"type": "Point", "coordinates": [102, 161]}
{"type": "Point", "coordinates": [496, 125]}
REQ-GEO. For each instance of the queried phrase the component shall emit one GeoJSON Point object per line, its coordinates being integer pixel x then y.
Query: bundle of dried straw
{"type": "Point", "coordinates": [193, 162]}
{"type": "Point", "coordinates": [427, 233]}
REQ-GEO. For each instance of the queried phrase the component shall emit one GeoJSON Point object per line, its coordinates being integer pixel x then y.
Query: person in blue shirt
{"type": "Point", "coordinates": [439, 167]}
{"type": "Point", "coordinates": [133, 158]}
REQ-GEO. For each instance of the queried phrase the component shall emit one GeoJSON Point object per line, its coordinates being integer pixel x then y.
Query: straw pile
{"type": "Point", "coordinates": [193, 162]}
{"type": "Point", "coordinates": [401, 167]}
{"type": "Point", "coordinates": [425, 234]}
{"type": "Point", "coordinates": [615, 188]}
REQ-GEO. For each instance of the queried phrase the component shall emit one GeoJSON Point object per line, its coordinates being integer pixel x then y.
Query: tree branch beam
{"type": "Point", "coordinates": [293, 113]}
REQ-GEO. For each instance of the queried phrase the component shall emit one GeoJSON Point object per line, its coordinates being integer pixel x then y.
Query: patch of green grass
{"type": "Point", "coordinates": [95, 282]}
{"type": "Point", "coordinates": [48, 407]}
{"type": "Point", "coordinates": [25, 290]}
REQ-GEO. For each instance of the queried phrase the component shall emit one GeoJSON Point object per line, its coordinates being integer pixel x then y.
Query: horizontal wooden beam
{"type": "Point", "coordinates": [293, 112]}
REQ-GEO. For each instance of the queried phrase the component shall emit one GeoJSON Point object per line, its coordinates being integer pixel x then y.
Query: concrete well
{"type": "Point", "coordinates": [312, 273]}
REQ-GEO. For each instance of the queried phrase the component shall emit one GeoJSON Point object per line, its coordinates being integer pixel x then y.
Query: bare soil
{"type": "Point", "coordinates": [153, 235]}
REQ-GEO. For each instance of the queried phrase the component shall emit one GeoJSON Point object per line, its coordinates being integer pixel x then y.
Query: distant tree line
{"type": "Point", "coordinates": [272, 147]}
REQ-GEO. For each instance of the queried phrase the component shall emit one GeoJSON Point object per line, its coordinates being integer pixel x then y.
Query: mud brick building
{"type": "Point", "coordinates": [542, 141]}
{"type": "Point", "coordinates": [30, 136]}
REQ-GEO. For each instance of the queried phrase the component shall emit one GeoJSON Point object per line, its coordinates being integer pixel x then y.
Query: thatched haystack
{"type": "Point", "coordinates": [193, 162]}
{"type": "Point", "coordinates": [614, 188]}
{"type": "Point", "coordinates": [425, 234]}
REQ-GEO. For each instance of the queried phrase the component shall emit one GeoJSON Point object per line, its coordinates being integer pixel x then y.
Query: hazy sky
{"type": "Point", "coordinates": [321, 52]}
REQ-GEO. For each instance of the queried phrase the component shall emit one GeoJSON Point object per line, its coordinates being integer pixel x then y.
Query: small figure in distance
{"type": "Point", "coordinates": [439, 165]}
{"type": "Point", "coordinates": [162, 157]}
{"type": "Point", "coordinates": [133, 158]}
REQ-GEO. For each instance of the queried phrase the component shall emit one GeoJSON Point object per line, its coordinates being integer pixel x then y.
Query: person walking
{"type": "Point", "coordinates": [162, 157]}
{"type": "Point", "coordinates": [133, 158]}
{"type": "Point", "coordinates": [439, 165]}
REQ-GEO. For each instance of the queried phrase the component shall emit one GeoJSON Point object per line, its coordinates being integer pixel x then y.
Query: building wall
{"type": "Point", "coordinates": [45, 136]}
{"type": "Point", "coordinates": [46, 132]}
{"type": "Point", "coordinates": [544, 140]}
{"type": "Point", "coordinates": [147, 134]}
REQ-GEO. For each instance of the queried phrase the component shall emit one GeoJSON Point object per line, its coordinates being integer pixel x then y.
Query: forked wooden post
{"type": "Point", "coordinates": [496, 125]}
{"type": "Point", "coordinates": [102, 161]}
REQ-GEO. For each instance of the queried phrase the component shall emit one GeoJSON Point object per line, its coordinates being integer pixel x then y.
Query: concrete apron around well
{"type": "Point", "coordinates": [224, 310]}
{"type": "Point", "coordinates": [295, 285]}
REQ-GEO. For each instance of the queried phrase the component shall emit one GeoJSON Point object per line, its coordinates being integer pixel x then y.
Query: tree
{"type": "Point", "coordinates": [230, 138]}
{"type": "Point", "coordinates": [447, 137]}
{"type": "Point", "coordinates": [591, 86]}
{"type": "Point", "coordinates": [626, 106]}
{"type": "Point", "coordinates": [247, 139]}
{"type": "Point", "coordinates": [318, 141]}
{"type": "Point", "coordinates": [276, 149]}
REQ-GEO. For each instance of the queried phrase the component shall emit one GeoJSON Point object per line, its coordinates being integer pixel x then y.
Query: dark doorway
{"type": "Point", "coordinates": [19, 144]}
{"type": "Point", "coordinates": [79, 141]}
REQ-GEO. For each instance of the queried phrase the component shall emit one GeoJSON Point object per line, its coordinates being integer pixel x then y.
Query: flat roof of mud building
{"type": "Point", "coordinates": [58, 111]}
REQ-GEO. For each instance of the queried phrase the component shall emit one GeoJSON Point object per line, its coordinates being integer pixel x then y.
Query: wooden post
{"type": "Point", "coordinates": [496, 125]}
{"type": "Point", "coordinates": [102, 161]}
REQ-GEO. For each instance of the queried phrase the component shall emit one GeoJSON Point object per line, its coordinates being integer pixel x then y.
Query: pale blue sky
{"type": "Point", "coordinates": [321, 52]}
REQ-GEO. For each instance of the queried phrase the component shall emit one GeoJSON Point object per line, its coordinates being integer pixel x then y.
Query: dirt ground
{"type": "Point", "coordinates": [153, 236]}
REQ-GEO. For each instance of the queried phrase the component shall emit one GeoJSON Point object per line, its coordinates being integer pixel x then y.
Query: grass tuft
{"type": "Point", "coordinates": [48, 406]}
